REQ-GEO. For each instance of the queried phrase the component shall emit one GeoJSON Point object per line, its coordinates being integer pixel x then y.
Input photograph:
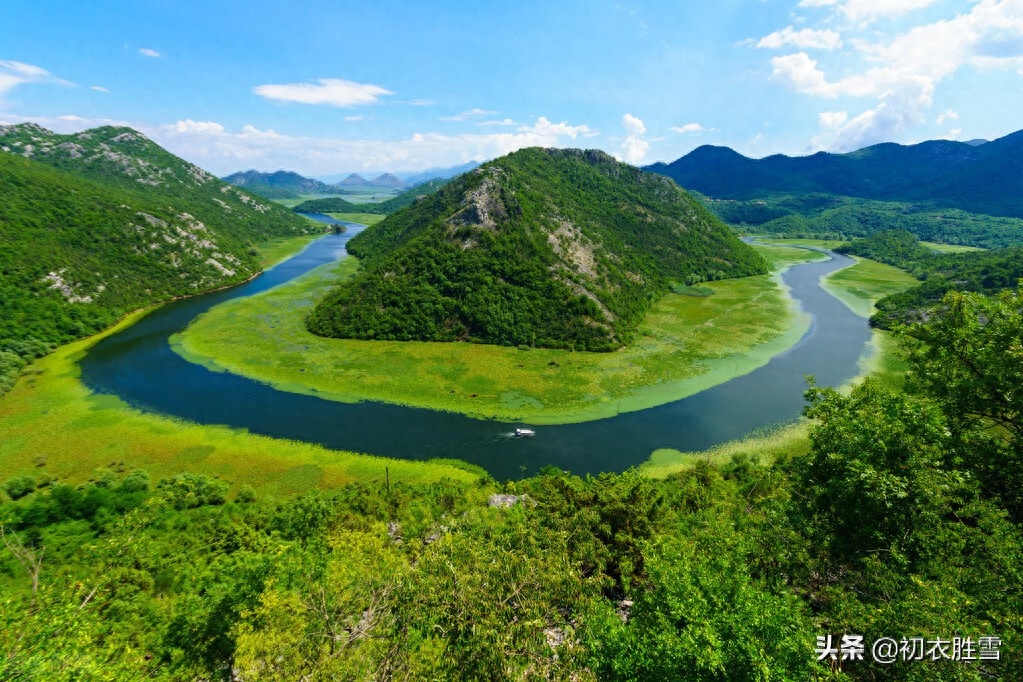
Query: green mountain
{"type": "Point", "coordinates": [980, 178]}
{"type": "Point", "coordinates": [543, 247]}
{"type": "Point", "coordinates": [386, 207]}
{"type": "Point", "coordinates": [100, 223]}
{"type": "Point", "coordinates": [279, 185]}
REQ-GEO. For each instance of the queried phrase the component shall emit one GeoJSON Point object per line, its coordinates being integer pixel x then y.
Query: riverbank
{"type": "Point", "coordinates": [52, 427]}
{"type": "Point", "coordinates": [685, 345]}
{"type": "Point", "coordinates": [858, 287]}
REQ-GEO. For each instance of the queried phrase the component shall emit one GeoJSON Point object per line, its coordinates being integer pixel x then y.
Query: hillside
{"type": "Point", "coordinates": [552, 248]}
{"type": "Point", "coordinates": [100, 223]}
{"type": "Point", "coordinates": [981, 178]}
{"type": "Point", "coordinates": [279, 185]}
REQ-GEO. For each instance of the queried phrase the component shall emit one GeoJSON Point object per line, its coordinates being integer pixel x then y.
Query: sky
{"type": "Point", "coordinates": [324, 87]}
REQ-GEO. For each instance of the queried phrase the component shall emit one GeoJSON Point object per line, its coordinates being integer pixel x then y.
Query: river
{"type": "Point", "coordinates": [138, 365]}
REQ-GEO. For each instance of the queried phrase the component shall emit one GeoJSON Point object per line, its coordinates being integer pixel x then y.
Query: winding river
{"type": "Point", "coordinates": [138, 365]}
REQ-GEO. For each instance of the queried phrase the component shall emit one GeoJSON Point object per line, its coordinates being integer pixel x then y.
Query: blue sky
{"type": "Point", "coordinates": [329, 87]}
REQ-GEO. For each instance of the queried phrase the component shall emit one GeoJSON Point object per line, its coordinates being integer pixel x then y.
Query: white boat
{"type": "Point", "coordinates": [524, 433]}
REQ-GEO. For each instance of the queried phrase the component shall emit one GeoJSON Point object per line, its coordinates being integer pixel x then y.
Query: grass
{"type": "Point", "coordinates": [686, 344]}
{"type": "Point", "coordinates": [361, 218]}
{"type": "Point", "coordinates": [50, 416]}
{"type": "Point", "coordinates": [861, 285]}
{"type": "Point", "coordinates": [858, 287]}
{"type": "Point", "coordinates": [273, 252]}
{"type": "Point", "coordinates": [819, 243]}
{"type": "Point", "coordinates": [950, 248]}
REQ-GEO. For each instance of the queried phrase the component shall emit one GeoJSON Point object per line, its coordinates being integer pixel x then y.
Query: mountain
{"type": "Point", "coordinates": [339, 205]}
{"type": "Point", "coordinates": [543, 247]}
{"type": "Point", "coordinates": [354, 180]}
{"type": "Point", "coordinates": [388, 180]}
{"type": "Point", "coordinates": [99, 223]}
{"type": "Point", "coordinates": [278, 185]}
{"type": "Point", "coordinates": [982, 178]}
{"type": "Point", "coordinates": [438, 172]}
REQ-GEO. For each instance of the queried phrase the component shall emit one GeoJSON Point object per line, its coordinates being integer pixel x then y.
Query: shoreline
{"type": "Point", "coordinates": [504, 405]}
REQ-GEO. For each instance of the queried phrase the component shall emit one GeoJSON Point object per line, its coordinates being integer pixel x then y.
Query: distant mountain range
{"type": "Point", "coordinates": [976, 176]}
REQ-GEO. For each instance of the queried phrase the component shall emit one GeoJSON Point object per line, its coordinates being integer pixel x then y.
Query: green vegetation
{"type": "Point", "coordinates": [280, 185]}
{"type": "Point", "coordinates": [902, 518]}
{"type": "Point", "coordinates": [684, 345]}
{"type": "Point", "coordinates": [541, 248]}
{"type": "Point", "coordinates": [98, 224]}
{"type": "Point", "coordinates": [361, 218]}
{"type": "Point", "coordinates": [979, 271]}
{"type": "Point", "coordinates": [938, 174]}
{"type": "Point", "coordinates": [386, 207]}
{"type": "Point", "coordinates": [843, 218]}
{"type": "Point", "coordinates": [950, 248]}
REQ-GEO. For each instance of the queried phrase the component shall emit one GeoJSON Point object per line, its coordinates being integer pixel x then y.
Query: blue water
{"type": "Point", "coordinates": [138, 365]}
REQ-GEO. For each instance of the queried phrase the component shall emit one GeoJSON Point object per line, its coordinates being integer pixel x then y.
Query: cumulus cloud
{"type": "Point", "coordinates": [902, 73]}
{"type": "Point", "coordinates": [210, 145]}
{"type": "Point", "coordinates": [633, 147]}
{"type": "Point", "coordinates": [13, 74]}
{"type": "Point", "coordinates": [471, 113]}
{"type": "Point", "coordinates": [335, 92]}
{"type": "Point", "coordinates": [689, 128]}
{"type": "Point", "coordinates": [805, 38]}
{"type": "Point", "coordinates": [149, 52]}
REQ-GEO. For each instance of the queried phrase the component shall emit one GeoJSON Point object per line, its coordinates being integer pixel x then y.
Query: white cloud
{"type": "Point", "coordinates": [805, 38]}
{"type": "Point", "coordinates": [471, 113]}
{"type": "Point", "coordinates": [149, 52]}
{"type": "Point", "coordinates": [800, 73]}
{"type": "Point", "coordinates": [502, 122]}
{"type": "Point", "coordinates": [633, 125]}
{"type": "Point", "coordinates": [634, 147]}
{"type": "Point", "coordinates": [832, 119]}
{"type": "Point", "coordinates": [955, 133]}
{"type": "Point", "coordinates": [949, 114]}
{"type": "Point", "coordinates": [13, 74]}
{"type": "Point", "coordinates": [690, 128]}
{"type": "Point", "coordinates": [869, 10]}
{"type": "Point", "coordinates": [98, 88]}
{"type": "Point", "coordinates": [209, 145]}
{"type": "Point", "coordinates": [332, 91]}
{"type": "Point", "coordinates": [420, 102]}
{"type": "Point", "coordinates": [354, 118]}
{"type": "Point", "coordinates": [817, 3]}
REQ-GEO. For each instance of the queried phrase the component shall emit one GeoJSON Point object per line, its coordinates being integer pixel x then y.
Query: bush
{"type": "Point", "coordinates": [19, 486]}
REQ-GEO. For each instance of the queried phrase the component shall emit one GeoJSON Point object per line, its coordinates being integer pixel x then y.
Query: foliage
{"type": "Point", "coordinates": [548, 248]}
{"type": "Point", "coordinates": [386, 207]}
{"type": "Point", "coordinates": [98, 224]}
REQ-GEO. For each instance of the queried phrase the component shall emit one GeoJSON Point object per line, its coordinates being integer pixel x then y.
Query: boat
{"type": "Point", "coordinates": [524, 433]}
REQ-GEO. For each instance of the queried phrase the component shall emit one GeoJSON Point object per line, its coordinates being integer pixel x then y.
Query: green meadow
{"type": "Point", "coordinates": [686, 344]}
{"type": "Point", "coordinates": [949, 248]}
{"type": "Point", "coordinates": [362, 218]}
{"type": "Point", "coordinates": [52, 427]}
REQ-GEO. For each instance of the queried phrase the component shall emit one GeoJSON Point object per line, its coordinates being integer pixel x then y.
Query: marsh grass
{"type": "Point", "coordinates": [685, 345]}
{"type": "Point", "coordinates": [949, 248]}
{"type": "Point", "coordinates": [361, 218]}
{"type": "Point", "coordinates": [858, 287]}
{"type": "Point", "coordinates": [50, 416]}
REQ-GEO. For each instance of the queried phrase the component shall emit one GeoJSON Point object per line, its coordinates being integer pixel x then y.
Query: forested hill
{"type": "Point", "coordinates": [543, 247]}
{"type": "Point", "coordinates": [980, 178]}
{"type": "Point", "coordinates": [279, 185]}
{"type": "Point", "coordinates": [97, 224]}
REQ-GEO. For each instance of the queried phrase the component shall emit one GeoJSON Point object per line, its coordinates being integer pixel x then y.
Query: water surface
{"type": "Point", "coordinates": [138, 365]}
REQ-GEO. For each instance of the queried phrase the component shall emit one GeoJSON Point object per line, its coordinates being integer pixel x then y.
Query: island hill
{"type": "Point", "coordinates": [543, 247]}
